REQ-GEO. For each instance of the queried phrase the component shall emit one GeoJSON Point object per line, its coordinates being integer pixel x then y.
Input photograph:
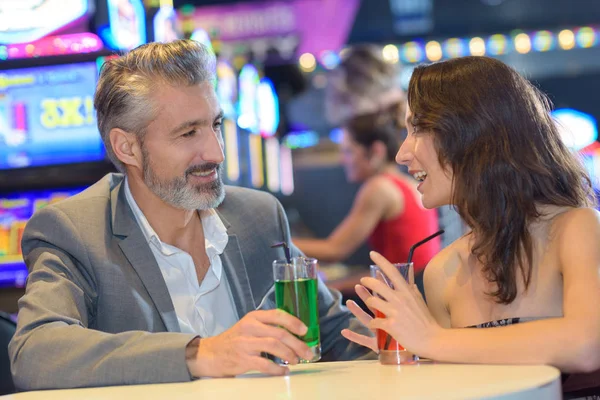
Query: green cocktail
{"type": "Point", "coordinates": [299, 298]}
{"type": "Point", "coordinates": [296, 291]}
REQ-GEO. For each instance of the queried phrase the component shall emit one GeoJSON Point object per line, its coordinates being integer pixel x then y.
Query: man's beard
{"type": "Point", "coordinates": [179, 193]}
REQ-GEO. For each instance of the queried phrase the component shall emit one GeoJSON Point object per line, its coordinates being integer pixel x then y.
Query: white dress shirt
{"type": "Point", "coordinates": [206, 309]}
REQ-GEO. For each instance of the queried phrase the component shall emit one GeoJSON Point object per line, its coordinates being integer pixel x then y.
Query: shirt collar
{"type": "Point", "coordinates": [215, 233]}
{"type": "Point", "coordinates": [149, 233]}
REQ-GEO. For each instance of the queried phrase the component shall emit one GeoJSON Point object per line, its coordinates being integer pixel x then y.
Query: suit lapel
{"type": "Point", "coordinates": [138, 253]}
{"type": "Point", "coordinates": [235, 270]}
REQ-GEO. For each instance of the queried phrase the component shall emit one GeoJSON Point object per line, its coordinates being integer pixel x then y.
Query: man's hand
{"type": "Point", "coordinates": [238, 350]}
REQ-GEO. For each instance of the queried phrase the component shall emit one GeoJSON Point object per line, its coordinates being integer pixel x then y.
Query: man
{"type": "Point", "coordinates": [121, 289]}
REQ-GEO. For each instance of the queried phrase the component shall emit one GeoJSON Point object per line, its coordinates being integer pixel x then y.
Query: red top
{"type": "Point", "coordinates": [393, 238]}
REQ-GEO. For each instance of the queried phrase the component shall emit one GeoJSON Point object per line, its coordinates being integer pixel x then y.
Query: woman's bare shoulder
{"type": "Point", "coordinates": [447, 261]}
{"type": "Point", "coordinates": [576, 220]}
{"type": "Point", "coordinates": [576, 226]}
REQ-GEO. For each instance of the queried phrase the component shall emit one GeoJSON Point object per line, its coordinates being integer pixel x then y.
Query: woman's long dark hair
{"type": "Point", "coordinates": [494, 130]}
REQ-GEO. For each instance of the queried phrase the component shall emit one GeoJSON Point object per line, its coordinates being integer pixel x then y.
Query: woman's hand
{"type": "Point", "coordinates": [364, 318]}
{"type": "Point", "coordinates": [407, 319]}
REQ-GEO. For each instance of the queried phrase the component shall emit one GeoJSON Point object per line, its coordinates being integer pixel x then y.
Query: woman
{"type": "Point", "coordinates": [364, 98]}
{"type": "Point", "coordinates": [481, 138]}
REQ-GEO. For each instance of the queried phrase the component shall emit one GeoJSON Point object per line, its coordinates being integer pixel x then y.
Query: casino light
{"type": "Point", "coordinates": [497, 44]}
{"type": "Point", "coordinates": [287, 170]}
{"type": "Point", "coordinates": [301, 140]}
{"type": "Point", "coordinates": [586, 37]}
{"type": "Point", "coordinates": [329, 59]}
{"type": "Point", "coordinates": [74, 43]}
{"type": "Point", "coordinates": [522, 43]}
{"type": "Point", "coordinates": [164, 23]}
{"type": "Point", "coordinates": [232, 153]}
{"type": "Point", "coordinates": [307, 62]}
{"type": "Point", "coordinates": [27, 21]}
{"type": "Point", "coordinates": [390, 54]}
{"type": "Point", "coordinates": [566, 39]}
{"type": "Point", "coordinates": [336, 135]}
{"type": "Point", "coordinates": [543, 41]}
{"type": "Point", "coordinates": [200, 36]}
{"type": "Point", "coordinates": [412, 52]}
{"type": "Point", "coordinates": [130, 32]}
{"type": "Point", "coordinates": [226, 88]}
{"type": "Point", "coordinates": [272, 150]}
{"type": "Point", "coordinates": [268, 108]}
{"type": "Point", "coordinates": [454, 47]}
{"type": "Point", "coordinates": [577, 129]}
{"type": "Point", "coordinates": [247, 99]}
{"type": "Point", "coordinates": [477, 46]}
{"type": "Point", "coordinates": [433, 50]}
{"type": "Point", "coordinates": [257, 170]}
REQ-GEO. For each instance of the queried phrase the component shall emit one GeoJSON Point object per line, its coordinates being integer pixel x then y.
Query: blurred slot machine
{"type": "Point", "coordinates": [579, 132]}
{"type": "Point", "coordinates": [269, 163]}
{"type": "Point", "coordinates": [47, 116]}
{"type": "Point", "coordinates": [227, 94]}
{"type": "Point", "coordinates": [51, 56]}
{"type": "Point", "coordinates": [165, 24]}
{"type": "Point", "coordinates": [127, 24]}
{"type": "Point", "coordinates": [15, 211]}
{"type": "Point", "coordinates": [268, 122]}
{"type": "Point", "coordinates": [250, 141]}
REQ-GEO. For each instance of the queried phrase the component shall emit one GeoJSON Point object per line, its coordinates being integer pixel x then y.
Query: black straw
{"type": "Point", "coordinates": [286, 250]}
{"type": "Point", "coordinates": [427, 239]}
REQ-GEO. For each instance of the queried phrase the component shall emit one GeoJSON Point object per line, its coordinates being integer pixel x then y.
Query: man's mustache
{"type": "Point", "coordinates": [203, 168]}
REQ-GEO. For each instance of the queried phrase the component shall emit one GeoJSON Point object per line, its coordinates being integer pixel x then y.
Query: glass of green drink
{"type": "Point", "coordinates": [296, 293]}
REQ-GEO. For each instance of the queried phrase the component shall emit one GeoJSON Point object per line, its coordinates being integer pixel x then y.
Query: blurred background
{"type": "Point", "coordinates": [274, 62]}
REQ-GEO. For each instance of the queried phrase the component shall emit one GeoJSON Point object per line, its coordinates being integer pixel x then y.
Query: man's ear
{"type": "Point", "coordinates": [378, 153]}
{"type": "Point", "coordinates": [126, 147]}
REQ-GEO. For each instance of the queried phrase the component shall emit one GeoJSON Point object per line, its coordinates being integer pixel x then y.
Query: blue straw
{"type": "Point", "coordinates": [286, 250]}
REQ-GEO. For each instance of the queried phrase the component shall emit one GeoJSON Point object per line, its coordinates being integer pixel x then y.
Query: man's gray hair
{"type": "Point", "coordinates": [122, 98]}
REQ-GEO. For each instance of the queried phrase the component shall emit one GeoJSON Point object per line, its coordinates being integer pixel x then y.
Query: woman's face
{"type": "Point", "coordinates": [355, 159]}
{"type": "Point", "coordinates": [419, 154]}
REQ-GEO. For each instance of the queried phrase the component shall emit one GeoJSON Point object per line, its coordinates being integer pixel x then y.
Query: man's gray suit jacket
{"type": "Point", "coordinates": [97, 310]}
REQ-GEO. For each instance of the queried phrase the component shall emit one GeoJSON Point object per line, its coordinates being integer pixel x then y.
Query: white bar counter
{"type": "Point", "coordinates": [344, 380]}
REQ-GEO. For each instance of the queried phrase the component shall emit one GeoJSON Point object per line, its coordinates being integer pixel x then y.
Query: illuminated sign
{"type": "Point", "coordinates": [29, 20]}
{"type": "Point", "coordinates": [248, 105]}
{"type": "Point", "coordinates": [268, 108]}
{"type": "Point", "coordinates": [165, 25]}
{"type": "Point", "coordinates": [15, 211]}
{"type": "Point", "coordinates": [47, 116]}
{"type": "Point", "coordinates": [226, 88]}
{"type": "Point", "coordinates": [577, 129]}
{"type": "Point", "coordinates": [287, 171]}
{"type": "Point", "coordinates": [273, 174]}
{"type": "Point", "coordinates": [75, 43]}
{"type": "Point", "coordinates": [200, 36]}
{"type": "Point", "coordinates": [257, 169]}
{"type": "Point", "coordinates": [127, 23]}
{"type": "Point", "coordinates": [232, 153]}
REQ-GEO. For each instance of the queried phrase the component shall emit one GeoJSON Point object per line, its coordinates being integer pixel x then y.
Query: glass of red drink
{"type": "Point", "coordinates": [390, 351]}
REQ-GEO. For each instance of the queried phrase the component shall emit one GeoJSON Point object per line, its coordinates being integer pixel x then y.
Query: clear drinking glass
{"type": "Point", "coordinates": [296, 291]}
{"type": "Point", "coordinates": [390, 351]}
